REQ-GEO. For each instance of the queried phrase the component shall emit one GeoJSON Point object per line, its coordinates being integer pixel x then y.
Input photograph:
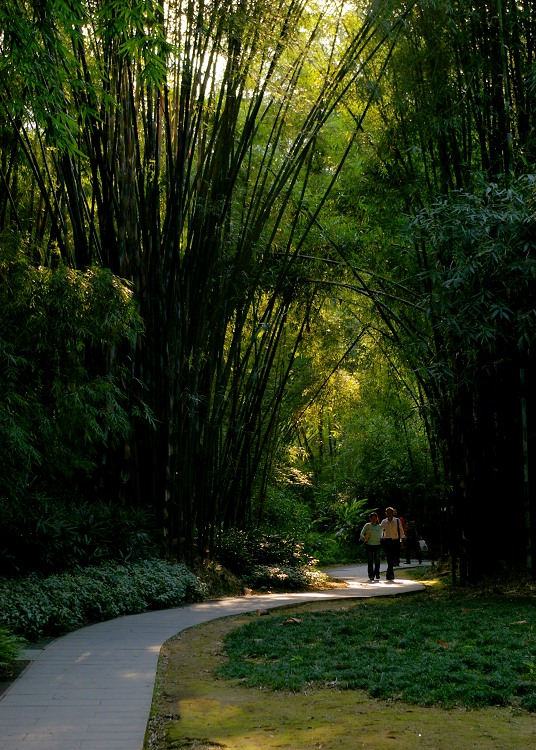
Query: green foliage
{"type": "Point", "coordinates": [50, 536]}
{"type": "Point", "coordinates": [34, 607]}
{"type": "Point", "coordinates": [286, 510]}
{"type": "Point", "coordinates": [476, 290]}
{"type": "Point", "coordinates": [200, 153]}
{"type": "Point", "coordinates": [333, 535]}
{"type": "Point", "coordinates": [271, 561]}
{"type": "Point", "coordinates": [390, 458]}
{"type": "Point", "coordinates": [240, 551]}
{"type": "Point", "coordinates": [330, 550]}
{"type": "Point", "coordinates": [191, 148]}
{"type": "Point", "coordinates": [366, 446]}
{"type": "Point", "coordinates": [466, 651]}
{"type": "Point", "coordinates": [59, 412]}
{"type": "Point", "coordinates": [282, 578]}
{"type": "Point", "coordinates": [350, 516]}
{"type": "Point", "coordinates": [9, 651]}
{"type": "Point", "coordinates": [482, 268]}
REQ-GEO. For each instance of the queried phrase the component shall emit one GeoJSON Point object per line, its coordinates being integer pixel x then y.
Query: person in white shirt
{"type": "Point", "coordinates": [371, 534]}
{"type": "Point", "coordinates": [392, 537]}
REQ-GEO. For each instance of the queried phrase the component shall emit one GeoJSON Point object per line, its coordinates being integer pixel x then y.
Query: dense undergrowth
{"type": "Point", "coordinates": [35, 607]}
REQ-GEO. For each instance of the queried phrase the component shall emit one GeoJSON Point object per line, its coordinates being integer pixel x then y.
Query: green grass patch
{"type": "Point", "coordinates": [430, 648]}
{"type": "Point", "coordinates": [10, 647]}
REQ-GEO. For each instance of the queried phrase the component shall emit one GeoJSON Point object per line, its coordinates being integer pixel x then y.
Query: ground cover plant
{"type": "Point", "coordinates": [460, 649]}
{"type": "Point", "coordinates": [9, 651]}
{"type": "Point", "coordinates": [34, 607]}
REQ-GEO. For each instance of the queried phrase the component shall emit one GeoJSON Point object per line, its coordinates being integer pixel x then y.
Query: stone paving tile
{"type": "Point", "coordinates": [18, 718]}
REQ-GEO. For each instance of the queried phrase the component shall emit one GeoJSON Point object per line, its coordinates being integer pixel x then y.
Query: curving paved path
{"type": "Point", "coordinates": [92, 689]}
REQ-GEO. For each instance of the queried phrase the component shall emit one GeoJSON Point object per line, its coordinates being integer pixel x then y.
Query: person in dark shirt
{"type": "Point", "coordinates": [412, 541]}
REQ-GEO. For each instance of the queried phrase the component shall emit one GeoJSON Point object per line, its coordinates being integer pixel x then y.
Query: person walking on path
{"type": "Point", "coordinates": [392, 537]}
{"type": "Point", "coordinates": [371, 534]}
{"type": "Point", "coordinates": [412, 542]}
{"type": "Point", "coordinates": [402, 521]}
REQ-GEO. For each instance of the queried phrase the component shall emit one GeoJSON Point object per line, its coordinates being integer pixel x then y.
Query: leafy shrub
{"type": "Point", "coordinates": [280, 578]}
{"type": "Point", "coordinates": [33, 607]}
{"type": "Point", "coordinates": [9, 651]}
{"type": "Point", "coordinates": [285, 512]}
{"type": "Point", "coordinates": [51, 536]}
{"type": "Point", "coordinates": [239, 551]}
{"type": "Point", "coordinates": [62, 403]}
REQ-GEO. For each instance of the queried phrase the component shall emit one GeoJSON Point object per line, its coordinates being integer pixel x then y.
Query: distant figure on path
{"type": "Point", "coordinates": [403, 522]}
{"type": "Point", "coordinates": [412, 542]}
{"type": "Point", "coordinates": [371, 534]}
{"type": "Point", "coordinates": [392, 537]}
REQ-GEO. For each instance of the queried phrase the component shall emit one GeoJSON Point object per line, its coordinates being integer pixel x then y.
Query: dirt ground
{"type": "Point", "coordinates": [193, 710]}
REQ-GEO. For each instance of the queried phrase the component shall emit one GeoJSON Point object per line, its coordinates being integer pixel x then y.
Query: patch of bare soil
{"type": "Point", "coordinates": [195, 711]}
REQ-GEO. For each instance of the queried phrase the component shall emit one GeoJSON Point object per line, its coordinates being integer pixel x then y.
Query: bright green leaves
{"type": "Point", "coordinates": [482, 265]}
{"type": "Point", "coordinates": [137, 27]}
{"type": "Point", "coordinates": [57, 409]}
{"type": "Point", "coordinates": [37, 66]}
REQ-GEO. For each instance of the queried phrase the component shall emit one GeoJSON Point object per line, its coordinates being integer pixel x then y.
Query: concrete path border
{"type": "Point", "coordinates": [92, 689]}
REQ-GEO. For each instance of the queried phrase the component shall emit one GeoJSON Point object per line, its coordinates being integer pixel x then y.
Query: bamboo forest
{"type": "Point", "coordinates": [264, 267]}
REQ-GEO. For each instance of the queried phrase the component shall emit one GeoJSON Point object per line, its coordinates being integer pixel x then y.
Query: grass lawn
{"type": "Point", "coordinates": [446, 647]}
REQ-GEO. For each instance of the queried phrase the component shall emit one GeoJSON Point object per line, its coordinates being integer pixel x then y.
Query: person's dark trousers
{"type": "Point", "coordinates": [392, 553]}
{"type": "Point", "coordinates": [373, 560]}
{"type": "Point", "coordinates": [412, 545]}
